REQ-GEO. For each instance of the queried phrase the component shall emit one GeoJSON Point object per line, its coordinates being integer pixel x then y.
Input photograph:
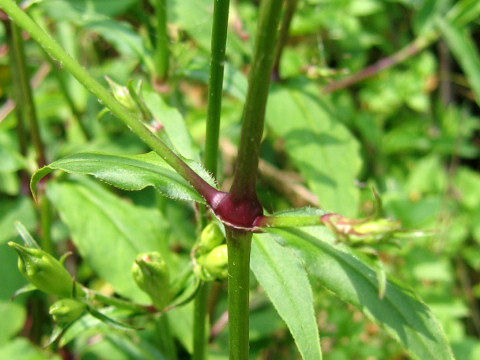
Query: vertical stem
{"type": "Point", "coordinates": [239, 244]}
{"type": "Point", "coordinates": [17, 93]}
{"type": "Point", "coordinates": [254, 111]}
{"type": "Point", "coordinates": [162, 53]}
{"type": "Point", "coordinates": [27, 108]}
{"type": "Point", "coordinates": [199, 322]}
{"type": "Point", "coordinates": [243, 188]}
{"type": "Point", "coordinates": [290, 8]}
{"type": "Point", "coordinates": [30, 113]}
{"type": "Point", "coordinates": [166, 340]}
{"type": "Point", "coordinates": [219, 40]}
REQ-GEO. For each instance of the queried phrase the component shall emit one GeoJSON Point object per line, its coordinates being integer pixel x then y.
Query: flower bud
{"type": "Point", "coordinates": [210, 238]}
{"type": "Point", "coordinates": [66, 310]}
{"type": "Point", "coordinates": [214, 265]}
{"type": "Point", "coordinates": [122, 94]}
{"type": "Point", "coordinates": [151, 274]}
{"type": "Point", "coordinates": [367, 230]}
{"type": "Point", "coordinates": [43, 270]}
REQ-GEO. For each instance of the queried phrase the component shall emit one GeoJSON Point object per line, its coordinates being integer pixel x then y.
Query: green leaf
{"type": "Point", "coordinates": [463, 48]}
{"type": "Point", "coordinates": [406, 318]}
{"type": "Point", "coordinates": [13, 318]}
{"type": "Point", "coordinates": [128, 173]}
{"type": "Point", "coordinates": [322, 148]}
{"type": "Point", "coordinates": [109, 232]}
{"type": "Point", "coordinates": [281, 274]}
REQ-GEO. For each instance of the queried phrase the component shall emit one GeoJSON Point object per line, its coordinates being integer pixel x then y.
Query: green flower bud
{"type": "Point", "coordinates": [151, 274]}
{"type": "Point", "coordinates": [214, 265]}
{"type": "Point", "coordinates": [210, 238]}
{"type": "Point", "coordinates": [43, 270]}
{"type": "Point", "coordinates": [366, 231]}
{"type": "Point", "coordinates": [66, 310]}
{"type": "Point", "coordinates": [122, 94]}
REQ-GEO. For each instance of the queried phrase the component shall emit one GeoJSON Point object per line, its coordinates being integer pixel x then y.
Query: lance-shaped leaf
{"type": "Point", "coordinates": [128, 173]}
{"type": "Point", "coordinates": [282, 275]}
{"type": "Point", "coordinates": [406, 318]}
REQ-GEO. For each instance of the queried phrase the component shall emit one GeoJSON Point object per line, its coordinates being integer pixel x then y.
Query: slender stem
{"type": "Point", "coordinates": [26, 98]}
{"type": "Point", "coordinates": [128, 118]}
{"type": "Point", "coordinates": [199, 322]}
{"type": "Point", "coordinates": [162, 52]}
{"type": "Point", "coordinates": [219, 40]}
{"type": "Point", "coordinates": [17, 93]}
{"type": "Point", "coordinates": [167, 344]}
{"type": "Point", "coordinates": [243, 186]}
{"type": "Point", "coordinates": [408, 51]}
{"type": "Point", "coordinates": [290, 8]}
{"type": "Point", "coordinates": [239, 244]}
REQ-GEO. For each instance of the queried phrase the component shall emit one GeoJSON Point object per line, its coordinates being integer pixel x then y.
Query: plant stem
{"type": "Point", "coordinates": [21, 135]}
{"type": "Point", "coordinates": [199, 322]}
{"type": "Point", "coordinates": [167, 345]}
{"type": "Point", "coordinates": [162, 53]}
{"type": "Point", "coordinates": [290, 8]}
{"type": "Point", "coordinates": [243, 186]}
{"type": "Point", "coordinates": [130, 119]}
{"type": "Point", "coordinates": [26, 98]}
{"type": "Point", "coordinates": [239, 244]}
{"type": "Point", "coordinates": [219, 40]}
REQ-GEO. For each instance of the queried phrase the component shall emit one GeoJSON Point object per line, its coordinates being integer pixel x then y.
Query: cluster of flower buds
{"type": "Point", "coordinates": [211, 256]}
{"type": "Point", "coordinates": [151, 274]}
{"type": "Point", "coordinates": [44, 271]}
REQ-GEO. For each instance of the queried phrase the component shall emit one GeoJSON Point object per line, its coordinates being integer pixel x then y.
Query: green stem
{"type": "Point", "coordinates": [219, 40]}
{"type": "Point", "coordinates": [128, 118]}
{"type": "Point", "coordinates": [255, 104]}
{"type": "Point", "coordinates": [290, 8]}
{"type": "Point", "coordinates": [167, 344]}
{"type": "Point", "coordinates": [199, 322]}
{"type": "Point", "coordinates": [162, 53]}
{"type": "Point", "coordinates": [17, 93]}
{"type": "Point", "coordinates": [29, 111]}
{"type": "Point", "coordinates": [239, 244]}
